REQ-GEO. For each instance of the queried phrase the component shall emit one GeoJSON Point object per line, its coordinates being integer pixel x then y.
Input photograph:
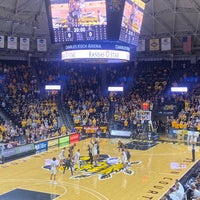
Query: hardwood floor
{"type": "Point", "coordinates": [151, 173]}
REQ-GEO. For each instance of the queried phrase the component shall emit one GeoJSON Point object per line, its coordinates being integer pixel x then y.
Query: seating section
{"type": "Point", "coordinates": [85, 97]}
{"type": "Point", "coordinates": [30, 116]}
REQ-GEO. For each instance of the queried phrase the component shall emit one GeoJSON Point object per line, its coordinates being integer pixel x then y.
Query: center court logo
{"type": "Point", "coordinates": [107, 167]}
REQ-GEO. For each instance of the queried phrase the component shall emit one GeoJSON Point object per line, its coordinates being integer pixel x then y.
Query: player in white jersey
{"type": "Point", "coordinates": [95, 152]}
{"type": "Point", "coordinates": [76, 158]}
{"type": "Point", "coordinates": [61, 156]}
{"type": "Point", "coordinates": [124, 157]}
{"type": "Point", "coordinates": [54, 164]}
{"type": "Point", "coordinates": [124, 160]}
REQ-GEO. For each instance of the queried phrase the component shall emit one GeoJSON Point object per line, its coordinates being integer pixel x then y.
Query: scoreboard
{"type": "Point", "coordinates": [132, 21]}
{"type": "Point", "coordinates": [78, 20]}
{"type": "Point", "coordinates": [82, 33]}
{"type": "Point", "coordinates": [96, 30]}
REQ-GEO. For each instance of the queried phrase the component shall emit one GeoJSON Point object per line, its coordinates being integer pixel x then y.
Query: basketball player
{"type": "Point", "coordinates": [67, 163]}
{"type": "Point", "coordinates": [61, 156]}
{"type": "Point", "coordinates": [193, 140]}
{"type": "Point", "coordinates": [53, 170]}
{"type": "Point", "coordinates": [90, 154]}
{"type": "Point", "coordinates": [77, 158]}
{"type": "Point", "coordinates": [120, 145]}
{"type": "Point", "coordinates": [124, 159]}
{"type": "Point", "coordinates": [98, 148]}
{"type": "Point", "coordinates": [128, 154]}
{"type": "Point", "coordinates": [95, 152]}
{"type": "Point", "coordinates": [71, 150]}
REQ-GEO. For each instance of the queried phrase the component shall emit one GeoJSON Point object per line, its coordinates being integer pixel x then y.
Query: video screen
{"type": "Point", "coordinates": [78, 20]}
{"type": "Point", "coordinates": [132, 21]}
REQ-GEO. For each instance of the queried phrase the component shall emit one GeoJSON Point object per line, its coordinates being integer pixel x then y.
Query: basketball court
{"type": "Point", "coordinates": [152, 171]}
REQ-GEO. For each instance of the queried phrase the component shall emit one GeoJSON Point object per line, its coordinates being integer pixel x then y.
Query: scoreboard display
{"type": "Point", "coordinates": [78, 20]}
{"type": "Point", "coordinates": [103, 31]}
{"type": "Point", "coordinates": [132, 21]}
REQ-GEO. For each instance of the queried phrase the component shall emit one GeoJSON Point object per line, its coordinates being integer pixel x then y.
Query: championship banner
{"type": "Point", "coordinates": [24, 44]}
{"type": "Point", "coordinates": [165, 44]}
{"type": "Point", "coordinates": [2, 41]}
{"type": "Point", "coordinates": [141, 45]}
{"type": "Point", "coordinates": [12, 42]}
{"type": "Point", "coordinates": [41, 45]}
{"type": "Point", "coordinates": [154, 45]}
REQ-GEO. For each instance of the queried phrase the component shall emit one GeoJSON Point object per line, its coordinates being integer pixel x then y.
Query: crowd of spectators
{"type": "Point", "coordinates": [88, 103]}
{"type": "Point", "coordinates": [177, 192]}
{"type": "Point", "coordinates": [184, 106]}
{"type": "Point", "coordinates": [189, 190]}
{"type": "Point", "coordinates": [31, 118]}
{"type": "Point", "coordinates": [85, 96]}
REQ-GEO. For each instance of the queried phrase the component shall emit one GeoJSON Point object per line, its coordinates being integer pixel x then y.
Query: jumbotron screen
{"type": "Point", "coordinates": [132, 21]}
{"type": "Point", "coordinates": [78, 20]}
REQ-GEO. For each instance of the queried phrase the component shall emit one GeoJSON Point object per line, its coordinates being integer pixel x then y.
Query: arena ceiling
{"type": "Point", "coordinates": [174, 18]}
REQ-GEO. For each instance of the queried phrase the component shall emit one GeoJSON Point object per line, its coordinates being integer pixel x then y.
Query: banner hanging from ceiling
{"type": "Point", "coordinates": [2, 41]}
{"type": "Point", "coordinates": [24, 44]}
{"type": "Point", "coordinates": [12, 42]}
{"type": "Point", "coordinates": [41, 45]}
{"type": "Point", "coordinates": [154, 45]}
{"type": "Point", "coordinates": [166, 44]}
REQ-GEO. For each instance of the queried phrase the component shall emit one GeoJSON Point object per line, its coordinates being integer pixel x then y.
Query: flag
{"type": "Point", "coordinates": [187, 44]}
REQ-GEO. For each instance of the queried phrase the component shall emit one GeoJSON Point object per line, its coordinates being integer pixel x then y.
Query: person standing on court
{"type": "Point", "coordinates": [95, 152]}
{"type": "Point", "coordinates": [53, 170]}
{"type": "Point", "coordinates": [71, 150]}
{"type": "Point", "coordinates": [120, 145]}
{"type": "Point", "coordinates": [124, 160]}
{"type": "Point", "coordinates": [61, 156]}
{"type": "Point", "coordinates": [68, 164]}
{"type": "Point", "coordinates": [90, 154]}
{"type": "Point", "coordinates": [77, 158]}
{"type": "Point", "coordinates": [128, 154]}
